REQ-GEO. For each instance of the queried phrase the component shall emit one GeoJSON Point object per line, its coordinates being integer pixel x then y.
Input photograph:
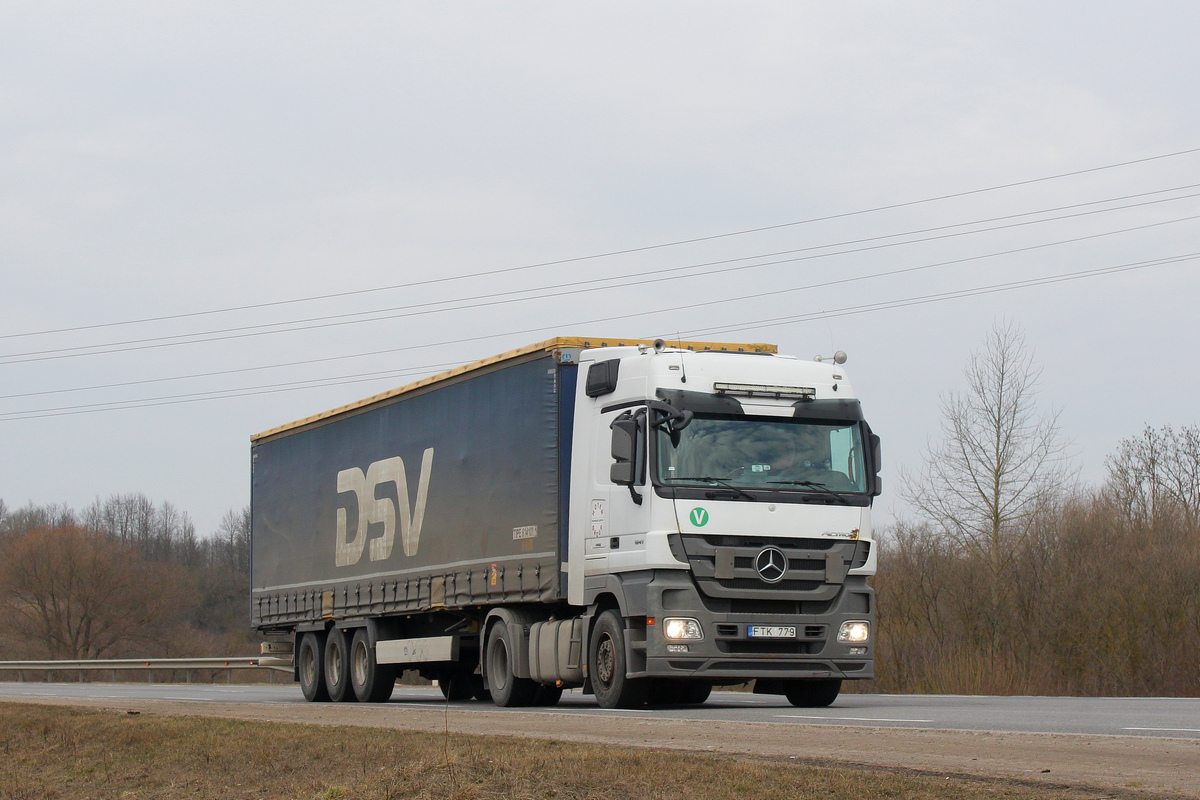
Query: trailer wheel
{"type": "Point", "coordinates": [311, 661]}
{"type": "Point", "coordinates": [373, 682]}
{"type": "Point", "coordinates": [337, 667]}
{"type": "Point", "coordinates": [607, 667]}
{"type": "Point", "coordinates": [813, 693]}
{"type": "Point", "coordinates": [507, 689]}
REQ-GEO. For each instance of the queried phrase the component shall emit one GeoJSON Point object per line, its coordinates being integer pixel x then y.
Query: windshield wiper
{"type": "Point", "coordinates": [819, 487]}
{"type": "Point", "coordinates": [719, 481]}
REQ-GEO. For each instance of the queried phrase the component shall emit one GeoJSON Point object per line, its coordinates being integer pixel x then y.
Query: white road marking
{"type": "Point", "coordinates": [848, 719]}
{"type": "Point", "coordinates": [1180, 730]}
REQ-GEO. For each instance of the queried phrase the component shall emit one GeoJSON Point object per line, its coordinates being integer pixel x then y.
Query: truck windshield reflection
{"type": "Point", "coordinates": [776, 454]}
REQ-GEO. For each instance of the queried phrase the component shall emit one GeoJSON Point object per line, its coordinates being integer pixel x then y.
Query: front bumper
{"type": "Point", "coordinates": [728, 653]}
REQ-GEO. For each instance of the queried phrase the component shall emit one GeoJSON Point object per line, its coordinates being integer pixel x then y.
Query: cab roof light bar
{"type": "Point", "coordinates": [759, 390]}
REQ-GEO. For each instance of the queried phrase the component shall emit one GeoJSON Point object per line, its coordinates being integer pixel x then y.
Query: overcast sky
{"type": "Point", "coordinates": [168, 160]}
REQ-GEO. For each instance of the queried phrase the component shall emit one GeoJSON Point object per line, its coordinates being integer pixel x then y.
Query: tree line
{"type": "Point", "coordinates": [124, 577]}
{"type": "Point", "coordinates": [1007, 577]}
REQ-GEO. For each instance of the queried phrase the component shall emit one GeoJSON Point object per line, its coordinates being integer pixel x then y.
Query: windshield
{"type": "Point", "coordinates": [778, 454]}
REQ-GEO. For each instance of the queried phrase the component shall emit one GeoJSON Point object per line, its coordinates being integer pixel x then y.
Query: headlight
{"type": "Point", "coordinates": [855, 631]}
{"type": "Point", "coordinates": [682, 628]}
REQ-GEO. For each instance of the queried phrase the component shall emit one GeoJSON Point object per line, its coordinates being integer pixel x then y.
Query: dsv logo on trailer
{"type": "Point", "coordinates": [374, 509]}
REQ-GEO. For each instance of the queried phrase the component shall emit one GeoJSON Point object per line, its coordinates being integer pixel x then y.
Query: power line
{"type": "Point", "coordinates": [772, 292]}
{"type": "Point", "coordinates": [887, 305]}
{"type": "Point", "coordinates": [252, 331]}
{"type": "Point", "coordinates": [626, 251]}
{"type": "Point", "coordinates": [216, 373]}
{"type": "Point", "coordinates": [750, 325]}
{"type": "Point", "coordinates": [218, 394]}
{"type": "Point", "coordinates": [577, 286]}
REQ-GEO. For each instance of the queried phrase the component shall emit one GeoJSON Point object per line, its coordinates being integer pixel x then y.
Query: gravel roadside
{"type": "Point", "coordinates": [1106, 765]}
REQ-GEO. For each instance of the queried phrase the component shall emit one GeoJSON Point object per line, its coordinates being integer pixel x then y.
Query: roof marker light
{"type": "Point", "coordinates": [759, 390]}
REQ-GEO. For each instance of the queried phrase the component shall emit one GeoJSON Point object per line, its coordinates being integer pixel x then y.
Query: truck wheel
{"type": "Point", "coordinates": [337, 667]}
{"type": "Point", "coordinates": [607, 667]}
{"type": "Point", "coordinates": [311, 661]}
{"type": "Point", "coordinates": [372, 682]}
{"type": "Point", "coordinates": [507, 689]}
{"type": "Point", "coordinates": [814, 693]}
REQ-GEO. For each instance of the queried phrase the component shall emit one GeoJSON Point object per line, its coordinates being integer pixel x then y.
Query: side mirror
{"type": "Point", "coordinates": [682, 421]}
{"type": "Point", "coordinates": [876, 463]}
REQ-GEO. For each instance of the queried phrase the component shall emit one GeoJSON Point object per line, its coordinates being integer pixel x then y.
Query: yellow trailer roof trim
{"type": "Point", "coordinates": [557, 343]}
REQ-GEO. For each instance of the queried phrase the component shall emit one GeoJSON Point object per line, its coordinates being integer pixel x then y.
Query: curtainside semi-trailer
{"type": "Point", "coordinates": [640, 520]}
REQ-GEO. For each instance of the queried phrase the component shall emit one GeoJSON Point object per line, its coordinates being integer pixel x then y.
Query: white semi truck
{"type": "Point", "coordinates": [641, 520]}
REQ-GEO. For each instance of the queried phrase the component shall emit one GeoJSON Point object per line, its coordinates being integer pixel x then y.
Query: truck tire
{"type": "Point", "coordinates": [507, 689]}
{"type": "Point", "coordinates": [607, 667]}
{"type": "Point", "coordinates": [372, 682]}
{"type": "Point", "coordinates": [813, 693]}
{"type": "Point", "coordinates": [311, 663]}
{"type": "Point", "coordinates": [337, 667]}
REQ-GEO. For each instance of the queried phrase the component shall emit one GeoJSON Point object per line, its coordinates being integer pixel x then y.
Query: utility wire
{"type": "Point", "coordinates": [773, 292]}
{"type": "Point", "coordinates": [577, 287]}
{"type": "Point", "coordinates": [939, 297]}
{"type": "Point", "coordinates": [626, 251]}
{"type": "Point", "coordinates": [216, 373]}
{"type": "Point", "coordinates": [173, 341]}
{"type": "Point", "coordinates": [750, 325]}
{"type": "Point", "coordinates": [219, 394]}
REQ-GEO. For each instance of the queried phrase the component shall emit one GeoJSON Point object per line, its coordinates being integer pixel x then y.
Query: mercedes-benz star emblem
{"type": "Point", "coordinates": [771, 564]}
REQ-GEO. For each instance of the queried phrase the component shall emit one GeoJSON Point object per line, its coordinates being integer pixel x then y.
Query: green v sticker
{"type": "Point", "coordinates": [699, 517]}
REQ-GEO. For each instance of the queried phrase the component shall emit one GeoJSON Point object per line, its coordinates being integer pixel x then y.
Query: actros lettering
{"type": "Point", "coordinates": [373, 509]}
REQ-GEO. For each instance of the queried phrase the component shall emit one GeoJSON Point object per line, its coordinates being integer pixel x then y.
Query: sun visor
{"type": "Point", "coordinates": [700, 402]}
{"type": "Point", "coordinates": [829, 409]}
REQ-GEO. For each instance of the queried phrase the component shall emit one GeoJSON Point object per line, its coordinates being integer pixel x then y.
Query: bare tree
{"type": "Point", "coordinates": [22, 520]}
{"type": "Point", "coordinates": [999, 459]}
{"type": "Point", "coordinates": [75, 593]}
{"type": "Point", "coordinates": [232, 540]}
{"type": "Point", "coordinates": [1157, 474]}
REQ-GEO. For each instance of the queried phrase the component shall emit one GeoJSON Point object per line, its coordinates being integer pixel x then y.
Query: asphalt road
{"type": "Point", "coordinates": [1158, 717]}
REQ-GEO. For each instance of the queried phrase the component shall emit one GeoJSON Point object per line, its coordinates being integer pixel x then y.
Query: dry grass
{"type": "Point", "coordinates": [51, 752]}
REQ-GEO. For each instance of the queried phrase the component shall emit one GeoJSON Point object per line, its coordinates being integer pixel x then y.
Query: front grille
{"type": "Point", "coordinates": [791, 647]}
{"type": "Point", "coordinates": [724, 567]}
{"type": "Point", "coordinates": [755, 583]}
{"type": "Point", "coordinates": [746, 562]}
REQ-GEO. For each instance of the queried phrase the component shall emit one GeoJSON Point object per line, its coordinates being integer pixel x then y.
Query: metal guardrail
{"type": "Point", "coordinates": [119, 664]}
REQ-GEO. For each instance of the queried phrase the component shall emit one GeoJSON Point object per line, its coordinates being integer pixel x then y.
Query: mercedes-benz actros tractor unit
{"type": "Point", "coordinates": [640, 520]}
